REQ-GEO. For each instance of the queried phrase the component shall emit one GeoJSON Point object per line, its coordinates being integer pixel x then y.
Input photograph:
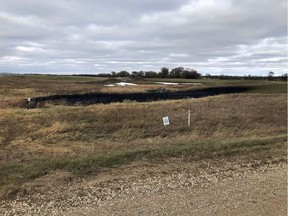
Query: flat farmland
{"type": "Point", "coordinates": [68, 147]}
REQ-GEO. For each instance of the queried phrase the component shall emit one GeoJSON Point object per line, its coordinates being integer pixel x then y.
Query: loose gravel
{"type": "Point", "coordinates": [173, 188]}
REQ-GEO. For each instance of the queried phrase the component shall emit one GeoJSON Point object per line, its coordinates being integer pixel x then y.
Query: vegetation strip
{"type": "Point", "coordinates": [93, 164]}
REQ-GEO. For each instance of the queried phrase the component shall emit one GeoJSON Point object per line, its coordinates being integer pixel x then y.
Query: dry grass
{"type": "Point", "coordinates": [84, 139]}
{"type": "Point", "coordinates": [26, 134]}
{"type": "Point", "coordinates": [16, 89]}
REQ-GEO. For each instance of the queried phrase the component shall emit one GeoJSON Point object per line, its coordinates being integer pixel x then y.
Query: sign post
{"type": "Point", "coordinates": [29, 102]}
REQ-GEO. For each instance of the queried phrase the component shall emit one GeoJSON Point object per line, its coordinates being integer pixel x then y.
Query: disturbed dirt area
{"type": "Point", "coordinates": [175, 187]}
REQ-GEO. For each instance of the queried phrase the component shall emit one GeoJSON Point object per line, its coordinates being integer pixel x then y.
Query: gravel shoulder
{"type": "Point", "coordinates": [175, 187]}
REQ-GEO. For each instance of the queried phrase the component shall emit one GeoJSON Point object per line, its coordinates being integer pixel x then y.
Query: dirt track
{"type": "Point", "coordinates": [174, 188]}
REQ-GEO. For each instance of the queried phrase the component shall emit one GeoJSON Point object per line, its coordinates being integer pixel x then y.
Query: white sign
{"type": "Point", "coordinates": [166, 121]}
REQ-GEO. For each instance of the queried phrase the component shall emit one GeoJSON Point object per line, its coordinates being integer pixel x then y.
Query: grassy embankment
{"type": "Point", "coordinates": [86, 140]}
{"type": "Point", "coordinates": [257, 86]}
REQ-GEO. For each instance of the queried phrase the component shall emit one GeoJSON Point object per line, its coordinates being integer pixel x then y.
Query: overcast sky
{"type": "Point", "coordinates": [236, 37]}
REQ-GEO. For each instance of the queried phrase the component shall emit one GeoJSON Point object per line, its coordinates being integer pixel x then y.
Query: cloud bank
{"type": "Point", "coordinates": [96, 36]}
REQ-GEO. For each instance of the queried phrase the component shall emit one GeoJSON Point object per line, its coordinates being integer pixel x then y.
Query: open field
{"type": "Point", "coordinates": [89, 140]}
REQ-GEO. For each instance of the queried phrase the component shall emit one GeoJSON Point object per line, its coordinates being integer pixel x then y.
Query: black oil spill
{"type": "Point", "coordinates": [104, 98]}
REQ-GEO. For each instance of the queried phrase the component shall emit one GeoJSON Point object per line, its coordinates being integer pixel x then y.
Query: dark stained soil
{"type": "Point", "coordinates": [95, 98]}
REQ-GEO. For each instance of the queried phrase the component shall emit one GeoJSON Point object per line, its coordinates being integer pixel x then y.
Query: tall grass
{"type": "Point", "coordinates": [26, 134]}
{"type": "Point", "coordinates": [86, 140]}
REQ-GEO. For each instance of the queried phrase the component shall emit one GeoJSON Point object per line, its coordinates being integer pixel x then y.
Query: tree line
{"type": "Point", "coordinates": [179, 72]}
{"type": "Point", "coordinates": [186, 73]}
{"type": "Point", "coordinates": [269, 77]}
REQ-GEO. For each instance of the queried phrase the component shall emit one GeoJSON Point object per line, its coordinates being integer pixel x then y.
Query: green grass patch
{"type": "Point", "coordinates": [269, 88]}
{"type": "Point", "coordinates": [87, 165]}
{"type": "Point", "coordinates": [209, 81]}
{"type": "Point", "coordinates": [256, 86]}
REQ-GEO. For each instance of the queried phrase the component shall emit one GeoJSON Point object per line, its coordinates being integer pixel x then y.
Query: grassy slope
{"type": "Point", "coordinates": [96, 137]}
{"type": "Point", "coordinates": [257, 86]}
{"type": "Point", "coordinates": [92, 164]}
{"type": "Point", "coordinates": [270, 88]}
{"type": "Point", "coordinates": [103, 128]}
{"type": "Point", "coordinates": [16, 89]}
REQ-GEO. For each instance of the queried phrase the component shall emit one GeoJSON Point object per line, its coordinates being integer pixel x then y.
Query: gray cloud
{"type": "Point", "coordinates": [211, 36]}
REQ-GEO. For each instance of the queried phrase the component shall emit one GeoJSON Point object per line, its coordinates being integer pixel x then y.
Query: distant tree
{"type": "Point", "coordinates": [164, 72]}
{"type": "Point", "coordinates": [123, 74]}
{"type": "Point", "coordinates": [113, 74]}
{"type": "Point", "coordinates": [270, 75]}
{"type": "Point", "coordinates": [284, 77]}
{"type": "Point", "coordinates": [103, 75]}
{"type": "Point", "coordinates": [187, 73]}
{"type": "Point", "coordinates": [222, 76]}
{"type": "Point", "coordinates": [176, 72]}
{"type": "Point", "coordinates": [134, 74]}
{"type": "Point", "coordinates": [140, 74]}
{"type": "Point", "coordinates": [190, 74]}
{"type": "Point", "coordinates": [151, 74]}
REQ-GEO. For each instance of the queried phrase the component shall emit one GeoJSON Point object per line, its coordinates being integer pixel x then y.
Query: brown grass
{"type": "Point", "coordinates": [27, 134]}
{"type": "Point", "coordinates": [82, 139]}
{"type": "Point", "coordinates": [15, 89]}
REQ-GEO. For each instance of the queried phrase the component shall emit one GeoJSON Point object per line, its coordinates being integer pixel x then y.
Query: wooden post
{"type": "Point", "coordinates": [189, 118]}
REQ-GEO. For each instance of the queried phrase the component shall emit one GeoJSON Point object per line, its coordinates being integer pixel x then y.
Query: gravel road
{"type": "Point", "coordinates": [172, 188]}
